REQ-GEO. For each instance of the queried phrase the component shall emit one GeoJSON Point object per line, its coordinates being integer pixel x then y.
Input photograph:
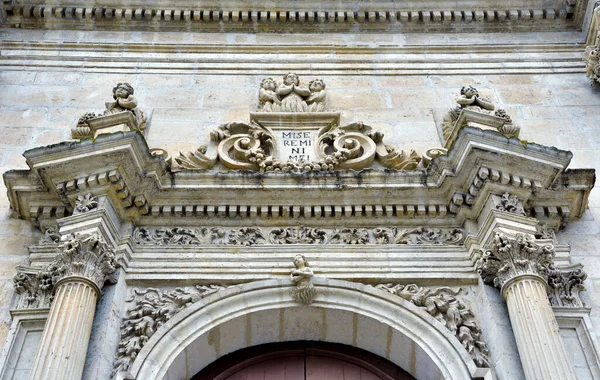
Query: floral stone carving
{"type": "Point", "coordinates": [511, 257]}
{"type": "Point", "coordinates": [291, 96]}
{"type": "Point", "coordinates": [152, 309]}
{"type": "Point", "coordinates": [420, 235]}
{"type": "Point", "coordinates": [442, 304]}
{"type": "Point", "coordinates": [304, 292]}
{"type": "Point", "coordinates": [296, 235]}
{"type": "Point", "coordinates": [592, 65]}
{"type": "Point", "coordinates": [33, 287]}
{"type": "Point", "coordinates": [565, 286]}
{"type": "Point", "coordinates": [84, 255]}
{"type": "Point", "coordinates": [511, 203]}
{"type": "Point", "coordinates": [176, 235]}
{"type": "Point", "coordinates": [85, 203]}
{"type": "Point", "coordinates": [123, 101]}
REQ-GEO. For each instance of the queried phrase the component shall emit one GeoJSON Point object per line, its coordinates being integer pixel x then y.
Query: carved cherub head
{"type": "Point", "coordinates": [268, 84]}
{"type": "Point", "coordinates": [122, 90]}
{"type": "Point", "coordinates": [291, 78]}
{"type": "Point", "coordinates": [300, 261]}
{"type": "Point", "coordinates": [469, 91]}
{"type": "Point", "coordinates": [316, 85]}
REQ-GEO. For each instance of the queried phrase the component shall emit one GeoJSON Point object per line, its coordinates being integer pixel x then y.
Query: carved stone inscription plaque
{"type": "Point", "coordinates": [296, 145]}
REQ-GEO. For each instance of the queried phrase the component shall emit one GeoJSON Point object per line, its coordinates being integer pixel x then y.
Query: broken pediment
{"type": "Point", "coordinates": [306, 166]}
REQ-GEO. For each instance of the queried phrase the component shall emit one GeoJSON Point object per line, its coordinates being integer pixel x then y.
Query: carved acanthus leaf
{"type": "Point", "coordinates": [33, 287]}
{"type": "Point", "coordinates": [246, 236]}
{"type": "Point", "coordinates": [153, 308]}
{"type": "Point", "coordinates": [84, 255]}
{"type": "Point", "coordinates": [420, 235]}
{"type": "Point", "coordinates": [442, 304]}
{"type": "Point", "coordinates": [176, 235]}
{"type": "Point", "coordinates": [296, 235]}
{"type": "Point", "coordinates": [511, 203]}
{"type": "Point", "coordinates": [565, 286]}
{"type": "Point", "coordinates": [351, 236]}
{"type": "Point", "coordinates": [196, 160]}
{"type": "Point", "coordinates": [511, 256]}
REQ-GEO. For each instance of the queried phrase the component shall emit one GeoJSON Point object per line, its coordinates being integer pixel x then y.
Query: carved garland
{"type": "Point", "coordinates": [153, 308]}
{"type": "Point", "coordinates": [248, 236]}
{"type": "Point", "coordinates": [442, 304]}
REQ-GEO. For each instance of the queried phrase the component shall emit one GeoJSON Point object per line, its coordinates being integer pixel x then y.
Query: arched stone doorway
{"type": "Point", "coordinates": [304, 360]}
{"type": "Point", "coordinates": [265, 312]}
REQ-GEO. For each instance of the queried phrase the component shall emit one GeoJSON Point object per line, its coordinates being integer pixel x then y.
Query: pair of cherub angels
{"type": "Point", "coordinates": [290, 96]}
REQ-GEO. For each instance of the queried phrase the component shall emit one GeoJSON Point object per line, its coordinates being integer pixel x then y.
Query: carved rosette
{"type": "Point", "coordinates": [442, 304]}
{"type": "Point", "coordinates": [86, 256]}
{"type": "Point", "coordinates": [153, 308]}
{"type": "Point", "coordinates": [511, 257]}
{"type": "Point", "coordinates": [85, 203]}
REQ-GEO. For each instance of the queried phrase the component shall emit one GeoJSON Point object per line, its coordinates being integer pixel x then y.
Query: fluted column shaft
{"type": "Point", "coordinates": [540, 345]}
{"type": "Point", "coordinates": [63, 346]}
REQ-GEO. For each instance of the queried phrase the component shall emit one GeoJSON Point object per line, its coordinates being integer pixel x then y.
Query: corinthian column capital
{"type": "Point", "coordinates": [513, 256]}
{"type": "Point", "coordinates": [83, 256]}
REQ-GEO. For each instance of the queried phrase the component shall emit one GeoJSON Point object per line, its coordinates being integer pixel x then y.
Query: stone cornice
{"type": "Point", "coordinates": [276, 16]}
{"type": "Point", "coordinates": [519, 57]}
{"type": "Point", "coordinates": [453, 188]}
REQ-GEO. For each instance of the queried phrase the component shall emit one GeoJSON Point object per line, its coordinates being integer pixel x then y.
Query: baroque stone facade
{"type": "Point", "coordinates": [414, 180]}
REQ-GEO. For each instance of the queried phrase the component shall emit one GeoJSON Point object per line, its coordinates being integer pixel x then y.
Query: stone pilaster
{"type": "Point", "coordinates": [84, 263]}
{"type": "Point", "coordinates": [518, 265]}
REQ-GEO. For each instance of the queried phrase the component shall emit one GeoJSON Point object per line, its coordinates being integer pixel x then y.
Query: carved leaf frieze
{"type": "Point", "coordinates": [152, 308]}
{"type": "Point", "coordinates": [249, 236]}
{"type": "Point", "coordinates": [420, 235]}
{"type": "Point", "coordinates": [442, 304]}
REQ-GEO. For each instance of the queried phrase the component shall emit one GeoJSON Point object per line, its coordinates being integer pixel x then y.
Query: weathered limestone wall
{"type": "Point", "coordinates": [41, 99]}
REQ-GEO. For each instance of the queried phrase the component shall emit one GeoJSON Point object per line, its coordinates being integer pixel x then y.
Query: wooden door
{"type": "Point", "coordinates": [302, 361]}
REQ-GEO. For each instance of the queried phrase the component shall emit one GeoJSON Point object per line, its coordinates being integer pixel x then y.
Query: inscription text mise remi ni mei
{"type": "Point", "coordinates": [297, 146]}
